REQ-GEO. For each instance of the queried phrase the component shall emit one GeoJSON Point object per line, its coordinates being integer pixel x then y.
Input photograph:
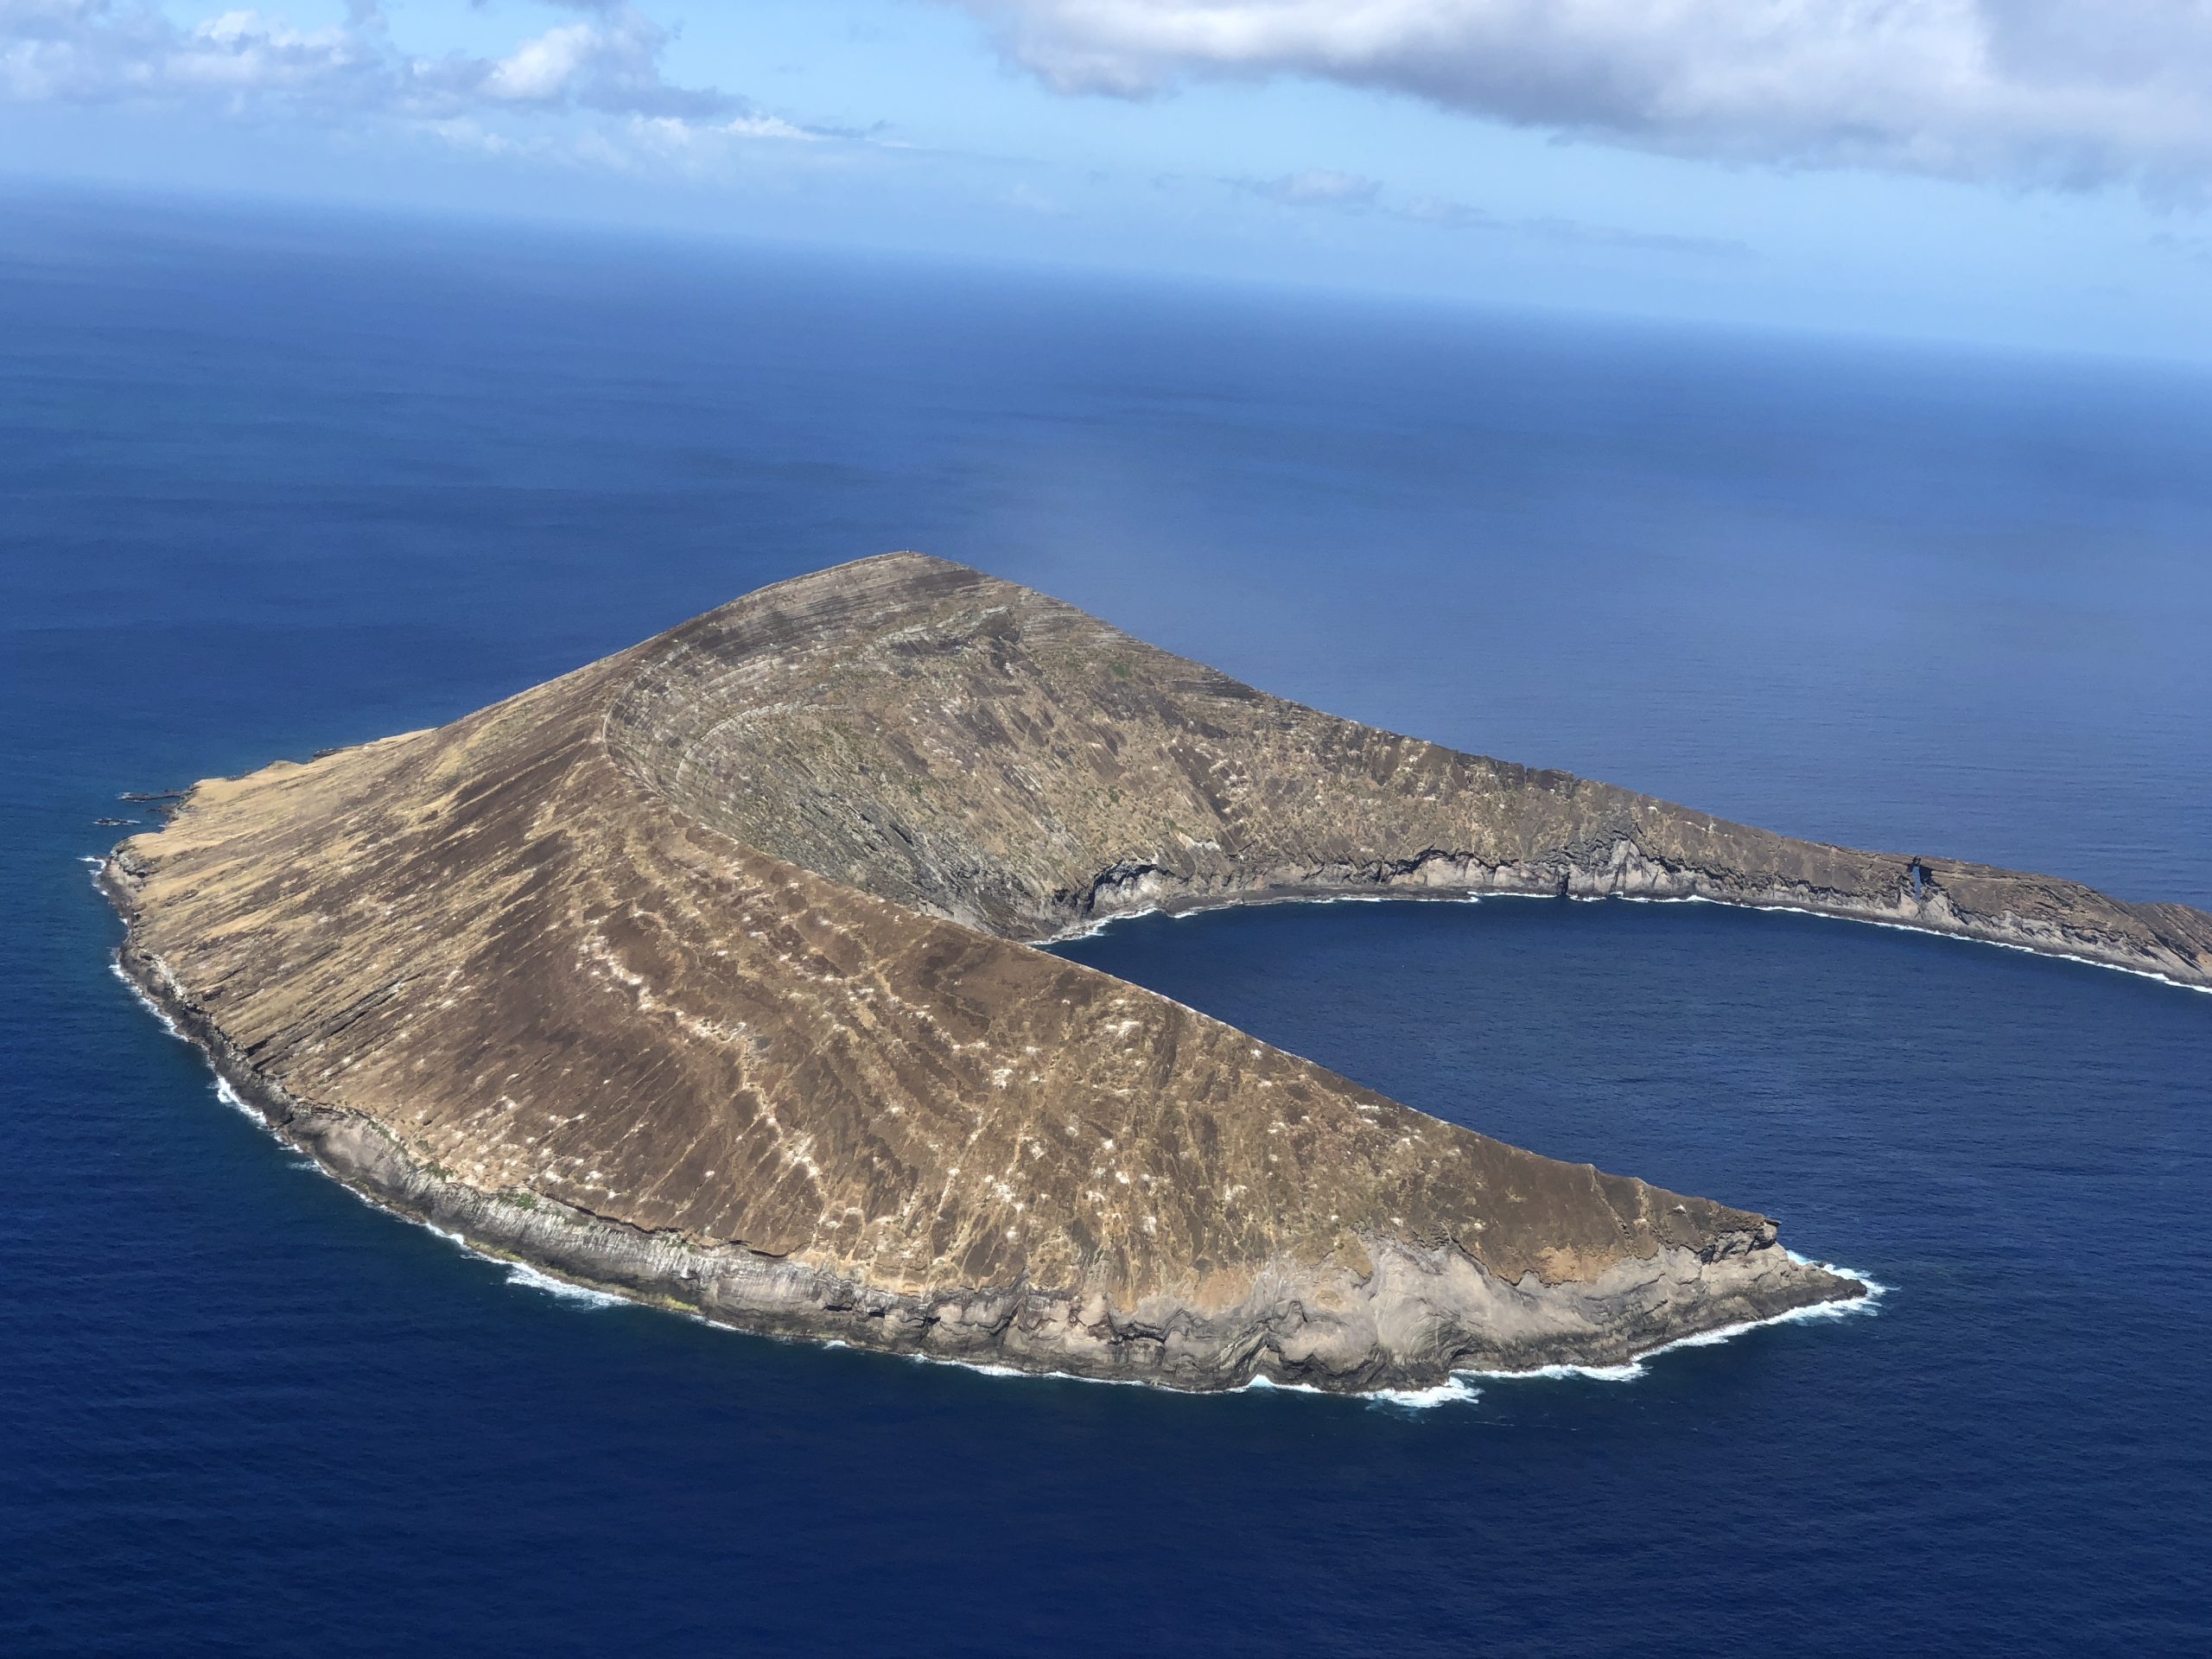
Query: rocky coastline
{"type": "Point", "coordinates": [1745, 1279]}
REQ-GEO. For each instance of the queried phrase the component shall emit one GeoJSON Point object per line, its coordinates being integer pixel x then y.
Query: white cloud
{"type": "Point", "coordinates": [540, 70]}
{"type": "Point", "coordinates": [698, 146]}
{"type": "Point", "coordinates": [247, 62]}
{"type": "Point", "coordinates": [2068, 93]}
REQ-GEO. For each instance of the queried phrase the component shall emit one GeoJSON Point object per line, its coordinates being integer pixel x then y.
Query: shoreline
{"type": "Point", "coordinates": [772, 1296]}
{"type": "Point", "coordinates": [1174, 911]}
{"type": "Point", "coordinates": [1456, 1389]}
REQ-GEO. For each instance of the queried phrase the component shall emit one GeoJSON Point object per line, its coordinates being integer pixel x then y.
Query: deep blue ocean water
{"type": "Point", "coordinates": [271, 484]}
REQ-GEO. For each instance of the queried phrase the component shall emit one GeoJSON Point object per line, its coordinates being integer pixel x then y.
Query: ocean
{"type": "Point", "coordinates": [275, 481]}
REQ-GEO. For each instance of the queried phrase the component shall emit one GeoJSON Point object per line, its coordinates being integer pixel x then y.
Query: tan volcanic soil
{"type": "Point", "coordinates": [702, 974]}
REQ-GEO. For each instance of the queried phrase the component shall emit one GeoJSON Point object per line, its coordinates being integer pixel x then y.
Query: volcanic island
{"type": "Point", "coordinates": [707, 975]}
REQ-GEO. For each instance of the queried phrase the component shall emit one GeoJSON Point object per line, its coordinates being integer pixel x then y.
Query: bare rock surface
{"type": "Point", "coordinates": [704, 974]}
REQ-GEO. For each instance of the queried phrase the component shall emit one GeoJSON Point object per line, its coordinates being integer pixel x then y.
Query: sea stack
{"type": "Point", "coordinates": [706, 974]}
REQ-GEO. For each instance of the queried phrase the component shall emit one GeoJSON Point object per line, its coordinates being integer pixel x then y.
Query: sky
{"type": "Point", "coordinates": [2016, 173]}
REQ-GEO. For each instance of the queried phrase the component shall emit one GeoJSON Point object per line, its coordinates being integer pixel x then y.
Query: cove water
{"type": "Point", "coordinates": [270, 484]}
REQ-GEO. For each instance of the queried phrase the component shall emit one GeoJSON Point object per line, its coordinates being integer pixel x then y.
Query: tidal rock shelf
{"type": "Point", "coordinates": [705, 975]}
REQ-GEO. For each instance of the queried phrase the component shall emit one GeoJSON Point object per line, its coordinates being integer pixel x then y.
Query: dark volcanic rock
{"type": "Point", "coordinates": [702, 974]}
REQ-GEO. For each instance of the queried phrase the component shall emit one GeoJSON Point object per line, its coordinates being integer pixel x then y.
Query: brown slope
{"type": "Point", "coordinates": [590, 976]}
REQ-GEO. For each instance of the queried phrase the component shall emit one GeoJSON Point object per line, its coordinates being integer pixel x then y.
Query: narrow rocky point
{"type": "Point", "coordinates": [704, 975]}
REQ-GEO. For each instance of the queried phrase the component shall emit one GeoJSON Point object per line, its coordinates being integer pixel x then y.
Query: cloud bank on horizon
{"type": "Point", "coordinates": [2063, 93]}
{"type": "Point", "coordinates": [245, 63]}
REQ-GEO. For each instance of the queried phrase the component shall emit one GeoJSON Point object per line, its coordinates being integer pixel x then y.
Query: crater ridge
{"type": "Point", "coordinates": [704, 974]}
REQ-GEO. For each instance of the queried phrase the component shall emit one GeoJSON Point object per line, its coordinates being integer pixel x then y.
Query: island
{"type": "Point", "coordinates": [707, 975]}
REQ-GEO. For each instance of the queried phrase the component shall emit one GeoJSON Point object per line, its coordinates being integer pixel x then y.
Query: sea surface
{"type": "Point", "coordinates": [271, 483]}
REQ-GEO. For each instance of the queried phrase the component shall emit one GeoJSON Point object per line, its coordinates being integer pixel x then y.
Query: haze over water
{"type": "Point", "coordinates": [271, 486]}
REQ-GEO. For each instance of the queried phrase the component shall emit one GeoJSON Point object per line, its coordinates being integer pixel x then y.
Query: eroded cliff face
{"type": "Point", "coordinates": [699, 974]}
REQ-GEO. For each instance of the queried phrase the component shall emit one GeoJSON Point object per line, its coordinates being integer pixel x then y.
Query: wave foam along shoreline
{"type": "Point", "coordinates": [161, 1014]}
{"type": "Point", "coordinates": [528, 1278]}
{"type": "Point", "coordinates": [1868, 1304]}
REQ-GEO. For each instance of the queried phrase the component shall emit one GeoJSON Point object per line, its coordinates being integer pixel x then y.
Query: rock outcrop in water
{"type": "Point", "coordinates": [702, 974]}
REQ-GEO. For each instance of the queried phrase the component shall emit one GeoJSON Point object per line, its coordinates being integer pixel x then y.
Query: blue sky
{"type": "Point", "coordinates": [2016, 172]}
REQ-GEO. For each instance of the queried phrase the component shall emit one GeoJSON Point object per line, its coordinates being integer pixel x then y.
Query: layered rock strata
{"type": "Point", "coordinates": [705, 973]}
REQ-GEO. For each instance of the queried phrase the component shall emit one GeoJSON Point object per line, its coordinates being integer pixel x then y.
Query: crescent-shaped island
{"type": "Point", "coordinates": [705, 975]}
